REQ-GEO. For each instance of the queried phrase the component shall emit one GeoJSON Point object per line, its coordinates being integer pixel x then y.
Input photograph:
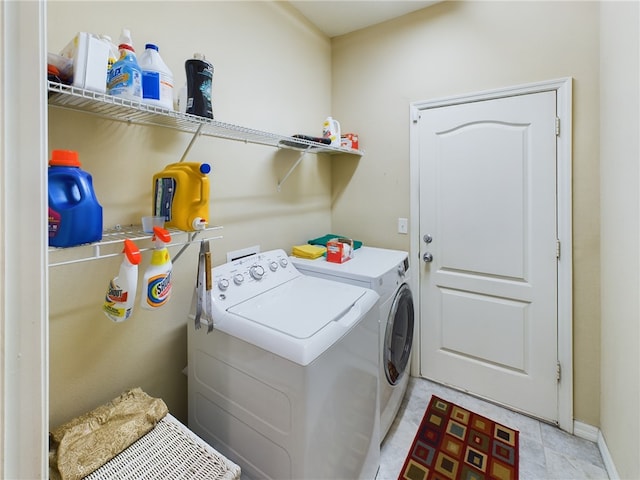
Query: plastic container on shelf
{"type": "Point", "coordinates": [331, 130]}
{"type": "Point", "coordinates": [113, 56]}
{"type": "Point", "coordinates": [199, 86]}
{"type": "Point", "coordinates": [89, 54]}
{"type": "Point", "coordinates": [125, 76]}
{"type": "Point", "coordinates": [157, 277]}
{"type": "Point", "coordinates": [121, 292]}
{"type": "Point", "coordinates": [75, 216]}
{"type": "Point", "coordinates": [157, 78]}
{"type": "Point", "coordinates": [181, 195]}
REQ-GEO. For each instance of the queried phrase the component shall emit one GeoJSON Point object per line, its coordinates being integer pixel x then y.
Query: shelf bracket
{"type": "Point", "coordinates": [302, 154]}
{"type": "Point", "coordinates": [193, 140]}
{"type": "Point", "coordinates": [191, 237]}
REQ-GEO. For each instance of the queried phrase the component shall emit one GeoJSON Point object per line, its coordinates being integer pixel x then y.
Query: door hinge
{"type": "Point", "coordinates": [557, 126]}
{"type": "Point", "coordinates": [557, 248]}
{"type": "Point", "coordinates": [558, 371]}
{"type": "Point", "coordinates": [415, 115]}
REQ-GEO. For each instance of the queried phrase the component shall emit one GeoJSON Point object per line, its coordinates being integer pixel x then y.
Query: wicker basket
{"type": "Point", "coordinates": [169, 451]}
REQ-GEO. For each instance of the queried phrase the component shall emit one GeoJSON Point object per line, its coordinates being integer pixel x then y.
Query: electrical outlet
{"type": "Point", "coordinates": [403, 226]}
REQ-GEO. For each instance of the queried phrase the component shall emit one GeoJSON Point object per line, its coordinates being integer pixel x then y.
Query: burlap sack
{"type": "Point", "coordinates": [87, 442]}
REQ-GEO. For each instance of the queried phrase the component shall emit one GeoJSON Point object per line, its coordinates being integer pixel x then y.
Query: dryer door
{"type": "Point", "coordinates": [398, 336]}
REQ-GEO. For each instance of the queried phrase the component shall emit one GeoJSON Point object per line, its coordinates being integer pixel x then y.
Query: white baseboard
{"type": "Point", "coordinates": [586, 431]}
{"type": "Point", "coordinates": [593, 434]}
{"type": "Point", "coordinates": [606, 458]}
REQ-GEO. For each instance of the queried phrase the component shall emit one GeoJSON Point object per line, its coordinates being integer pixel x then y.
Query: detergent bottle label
{"type": "Point", "coordinates": [54, 222]}
{"type": "Point", "coordinates": [158, 290]}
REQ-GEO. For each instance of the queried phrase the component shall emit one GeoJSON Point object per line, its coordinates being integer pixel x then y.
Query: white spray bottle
{"type": "Point", "coordinates": [157, 277]}
{"type": "Point", "coordinates": [121, 293]}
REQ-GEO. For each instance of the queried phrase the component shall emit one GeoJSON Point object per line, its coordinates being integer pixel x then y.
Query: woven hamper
{"type": "Point", "coordinates": [169, 451]}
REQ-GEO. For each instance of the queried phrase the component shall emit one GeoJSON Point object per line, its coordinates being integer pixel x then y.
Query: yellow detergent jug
{"type": "Point", "coordinates": [181, 195]}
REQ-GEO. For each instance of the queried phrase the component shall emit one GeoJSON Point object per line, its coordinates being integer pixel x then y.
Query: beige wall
{"type": "Point", "coordinates": [272, 73]}
{"type": "Point", "coordinates": [461, 47]}
{"type": "Point", "coordinates": [620, 179]}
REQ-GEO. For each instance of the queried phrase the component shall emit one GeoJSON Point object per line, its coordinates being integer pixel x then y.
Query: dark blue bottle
{"type": "Point", "coordinates": [199, 85]}
{"type": "Point", "coordinates": [75, 216]}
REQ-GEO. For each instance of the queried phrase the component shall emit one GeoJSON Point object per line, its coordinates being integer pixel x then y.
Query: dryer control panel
{"type": "Point", "coordinates": [246, 277]}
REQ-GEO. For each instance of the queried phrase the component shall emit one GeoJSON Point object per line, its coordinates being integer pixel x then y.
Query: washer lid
{"type": "Point", "coordinates": [300, 319]}
{"type": "Point", "coordinates": [300, 308]}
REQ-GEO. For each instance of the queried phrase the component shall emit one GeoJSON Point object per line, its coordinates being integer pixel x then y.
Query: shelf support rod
{"type": "Point", "coordinates": [302, 154]}
{"type": "Point", "coordinates": [193, 140]}
{"type": "Point", "coordinates": [191, 237]}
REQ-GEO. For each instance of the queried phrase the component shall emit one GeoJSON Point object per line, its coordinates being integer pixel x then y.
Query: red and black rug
{"type": "Point", "coordinates": [455, 443]}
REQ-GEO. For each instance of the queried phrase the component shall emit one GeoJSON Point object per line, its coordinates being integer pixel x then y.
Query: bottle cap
{"type": "Point", "coordinates": [198, 56]}
{"type": "Point", "coordinates": [132, 252]}
{"type": "Point", "coordinates": [151, 46]}
{"type": "Point", "coordinates": [205, 168]}
{"type": "Point", "coordinates": [64, 158]}
{"type": "Point", "coordinates": [125, 37]}
{"type": "Point", "coordinates": [199, 223]}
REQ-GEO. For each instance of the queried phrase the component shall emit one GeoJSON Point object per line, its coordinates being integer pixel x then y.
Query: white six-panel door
{"type": "Point", "coordinates": [488, 286]}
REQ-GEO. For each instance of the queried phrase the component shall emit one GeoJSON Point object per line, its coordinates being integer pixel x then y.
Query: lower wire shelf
{"type": "Point", "coordinates": [111, 244]}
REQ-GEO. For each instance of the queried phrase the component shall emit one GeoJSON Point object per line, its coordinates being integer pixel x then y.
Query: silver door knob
{"type": "Point", "coordinates": [427, 257]}
{"type": "Point", "coordinates": [427, 238]}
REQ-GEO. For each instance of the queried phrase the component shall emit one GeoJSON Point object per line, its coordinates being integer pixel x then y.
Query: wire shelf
{"type": "Point", "coordinates": [111, 244]}
{"type": "Point", "coordinates": [123, 110]}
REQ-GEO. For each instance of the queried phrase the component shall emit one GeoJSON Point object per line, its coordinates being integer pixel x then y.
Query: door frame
{"type": "Point", "coordinates": [24, 324]}
{"type": "Point", "coordinates": [563, 89]}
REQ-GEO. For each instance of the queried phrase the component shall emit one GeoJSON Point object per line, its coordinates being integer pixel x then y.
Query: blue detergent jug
{"type": "Point", "coordinates": [75, 216]}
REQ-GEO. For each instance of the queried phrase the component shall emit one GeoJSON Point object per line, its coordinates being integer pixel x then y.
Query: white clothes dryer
{"type": "Point", "coordinates": [286, 383]}
{"type": "Point", "coordinates": [387, 273]}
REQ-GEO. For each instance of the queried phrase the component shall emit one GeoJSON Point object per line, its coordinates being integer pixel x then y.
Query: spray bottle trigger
{"type": "Point", "coordinates": [161, 234]}
{"type": "Point", "coordinates": [132, 252]}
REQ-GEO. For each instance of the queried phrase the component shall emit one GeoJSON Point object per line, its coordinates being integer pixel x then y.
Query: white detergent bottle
{"type": "Point", "coordinates": [157, 277]}
{"type": "Point", "coordinates": [331, 130]}
{"type": "Point", "coordinates": [157, 79]}
{"type": "Point", "coordinates": [121, 293]}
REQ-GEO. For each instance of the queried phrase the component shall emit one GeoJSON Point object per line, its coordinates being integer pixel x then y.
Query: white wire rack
{"type": "Point", "coordinates": [111, 244]}
{"type": "Point", "coordinates": [115, 108]}
{"type": "Point", "coordinates": [170, 451]}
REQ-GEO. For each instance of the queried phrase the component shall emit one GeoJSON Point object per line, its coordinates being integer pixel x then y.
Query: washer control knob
{"type": "Point", "coordinates": [284, 262]}
{"type": "Point", "coordinates": [238, 278]}
{"type": "Point", "coordinates": [223, 284]}
{"type": "Point", "coordinates": [257, 272]}
{"type": "Point", "coordinates": [273, 266]}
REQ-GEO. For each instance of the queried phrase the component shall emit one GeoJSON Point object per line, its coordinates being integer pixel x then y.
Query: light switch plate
{"type": "Point", "coordinates": [403, 226]}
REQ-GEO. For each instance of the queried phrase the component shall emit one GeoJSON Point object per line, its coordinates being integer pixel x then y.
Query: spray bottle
{"type": "Point", "coordinates": [121, 293]}
{"type": "Point", "coordinates": [125, 76]}
{"type": "Point", "coordinates": [157, 277]}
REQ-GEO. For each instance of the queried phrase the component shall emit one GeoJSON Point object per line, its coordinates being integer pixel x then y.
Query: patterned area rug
{"type": "Point", "coordinates": [455, 443]}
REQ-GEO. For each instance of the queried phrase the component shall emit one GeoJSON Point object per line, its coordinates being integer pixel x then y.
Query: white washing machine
{"type": "Point", "coordinates": [387, 273]}
{"type": "Point", "coordinates": [286, 384]}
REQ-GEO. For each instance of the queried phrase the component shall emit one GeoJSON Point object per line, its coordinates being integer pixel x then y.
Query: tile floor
{"type": "Point", "coordinates": [546, 452]}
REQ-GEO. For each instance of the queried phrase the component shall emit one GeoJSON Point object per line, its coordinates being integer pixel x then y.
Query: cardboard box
{"type": "Point", "coordinates": [350, 140]}
{"type": "Point", "coordinates": [339, 250]}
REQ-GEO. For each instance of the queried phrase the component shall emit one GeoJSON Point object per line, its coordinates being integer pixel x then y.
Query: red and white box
{"type": "Point", "coordinates": [349, 140]}
{"type": "Point", "coordinates": [339, 250]}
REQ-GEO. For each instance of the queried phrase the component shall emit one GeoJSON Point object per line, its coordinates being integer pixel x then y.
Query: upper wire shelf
{"type": "Point", "coordinates": [120, 109]}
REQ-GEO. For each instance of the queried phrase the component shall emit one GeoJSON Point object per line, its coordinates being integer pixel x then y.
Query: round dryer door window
{"type": "Point", "coordinates": [399, 335]}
